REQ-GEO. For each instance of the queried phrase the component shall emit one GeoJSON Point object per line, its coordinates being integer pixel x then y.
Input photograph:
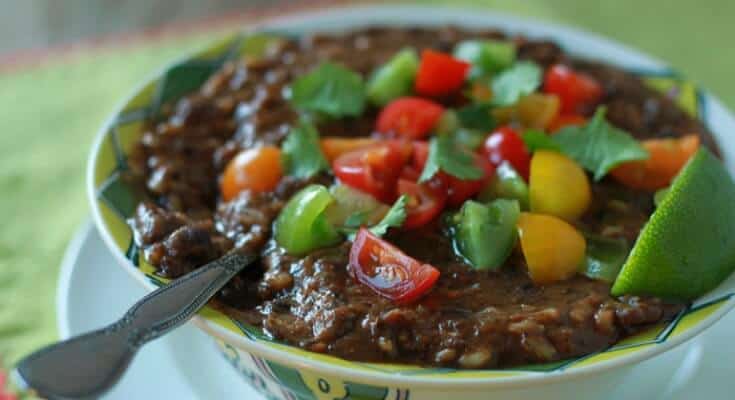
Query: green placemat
{"type": "Point", "coordinates": [49, 115]}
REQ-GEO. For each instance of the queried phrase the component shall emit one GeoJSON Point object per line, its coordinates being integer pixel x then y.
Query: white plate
{"type": "Point", "coordinates": [93, 291]}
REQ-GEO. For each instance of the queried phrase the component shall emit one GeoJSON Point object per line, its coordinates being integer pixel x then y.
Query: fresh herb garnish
{"type": "Point", "coordinates": [486, 56]}
{"type": "Point", "coordinates": [476, 116]}
{"type": "Point", "coordinates": [537, 140]}
{"type": "Point", "coordinates": [330, 89]}
{"type": "Point", "coordinates": [515, 82]}
{"type": "Point", "coordinates": [445, 155]}
{"type": "Point", "coordinates": [394, 218]}
{"type": "Point", "coordinates": [599, 146]}
{"type": "Point", "coordinates": [302, 155]}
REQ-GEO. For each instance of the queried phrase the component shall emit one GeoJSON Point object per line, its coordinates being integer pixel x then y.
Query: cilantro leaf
{"type": "Point", "coordinates": [515, 82]}
{"type": "Point", "coordinates": [302, 155]}
{"type": "Point", "coordinates": [394, 218]}
{"type": "Point", "coordinates": [357, 218]}
{"type": "Point", "coordinates": [330, 89]}
{"type": "Point", "coordinates": [599, 146]}
{"type": "Point", "coordinates": [476, 116]}
{"type": "Point", "coordinates": [537, 140]}
{"type": "Point", "coordinates": [445, 155]}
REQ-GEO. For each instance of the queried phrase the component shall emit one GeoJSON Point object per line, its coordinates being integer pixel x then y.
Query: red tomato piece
{"type": "Point", "coordinates": [374, 170]}
{"type": "Point", "coordinates": [388, 271]}
{"type": "Point", "coordinates": [577, 92]}
{"type": "Point", "coordinates": [440, 74]}
{"type": "Point", "coordinates": [409, 117]}
{"type": "Point", "coordinates": [426, 201]}
{"type": "Point", "coordinates": [460, 190]}
{"type": "Point", "coordinates": [505, 144]}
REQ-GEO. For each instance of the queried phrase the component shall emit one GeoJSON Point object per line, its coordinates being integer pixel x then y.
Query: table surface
{"type": "Point", "coordinates": [50, 111]}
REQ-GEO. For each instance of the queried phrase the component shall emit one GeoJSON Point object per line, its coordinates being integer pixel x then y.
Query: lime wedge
{"type": "Point", "coordinates": [688, 246]}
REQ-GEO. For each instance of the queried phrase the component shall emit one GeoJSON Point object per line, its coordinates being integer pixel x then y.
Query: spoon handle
{"type": "Point", "coordinates": [87, 365]}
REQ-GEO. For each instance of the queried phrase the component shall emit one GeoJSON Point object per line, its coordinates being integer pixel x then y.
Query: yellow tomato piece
{"type": "Point", "coordinates": [553, 248]}
{"type": "Point", "coordinates": [535, 111]}
{"type": "Point", "coordinates": [257, 169]}
{"type": "Point", "coordinates": [558, 186]}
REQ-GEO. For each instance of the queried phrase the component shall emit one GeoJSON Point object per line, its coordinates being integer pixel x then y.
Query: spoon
{"type": "Point", "coordinates": [87, 365]}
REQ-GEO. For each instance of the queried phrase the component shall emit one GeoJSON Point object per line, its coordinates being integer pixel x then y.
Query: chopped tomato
{"type": "Point", "coordinates": [374, 170]}
{"type": "Point", "coordinates": [564, 120]}
{"type": "Point", "coordinates": [440, 74]}
{"type": "Point", "coordinates": [578, 92]}
{"type": "Point", "coordinates": [409, 117]}
{"type": "Point", "coordinates": [505, 144]}
{"type": "Point", "coordinates": [333, 147]}
{"type": "Point", "coordinates": [458, 190]}
{"type": "Point", "coordinates": [388, 271]}
{"type": "Point", "coordinates": [258, 169]}
{"type": "Point", "coordinates": [666, 157]}
{"type": "Point", "coordinates": [426, 201]}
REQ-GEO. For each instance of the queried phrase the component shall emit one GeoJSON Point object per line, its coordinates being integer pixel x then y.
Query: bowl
{"type": "Point", "coordinates": [284, 372]}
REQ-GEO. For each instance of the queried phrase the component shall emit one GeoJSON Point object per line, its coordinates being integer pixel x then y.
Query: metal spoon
{"type": "Point", "coordinates": [86, 366]}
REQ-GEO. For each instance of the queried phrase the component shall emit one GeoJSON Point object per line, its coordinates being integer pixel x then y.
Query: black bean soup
{"type": "Point", "coordinates": [471, 318]}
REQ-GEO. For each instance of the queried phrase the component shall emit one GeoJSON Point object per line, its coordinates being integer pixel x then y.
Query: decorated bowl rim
{"type": "Point", "coordinates": [431, 16]}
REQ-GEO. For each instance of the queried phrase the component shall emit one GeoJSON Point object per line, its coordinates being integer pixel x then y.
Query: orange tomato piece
{"type": "Point", "coordinates": [258, 169]}
{"type": "Point", "coordinates": [553, 248]}
{"type": "Point", "coordinates": [333, 147]}
{"type": "Point", "coordinates": [666, 157]}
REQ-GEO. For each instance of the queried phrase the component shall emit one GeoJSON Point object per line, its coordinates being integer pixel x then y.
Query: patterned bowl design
{"type": "Point", "coordinates": [274, 369]}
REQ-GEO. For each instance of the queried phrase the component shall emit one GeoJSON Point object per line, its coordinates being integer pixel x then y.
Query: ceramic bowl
{"type": "Point", "coordinates": [284, 372]}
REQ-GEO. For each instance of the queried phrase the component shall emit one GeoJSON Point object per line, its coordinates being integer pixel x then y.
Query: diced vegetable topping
{"type": "Point", "coordinates": [537, 140]}
{"type": "Point", "coordinates": [330, 89]}
{"type": "Point", "coordinates": [424, 201]}
{"type": "Point", "coordinates": [553, 249]}
{"type": "Point", "coordinates": [302, 155]}
{"type": "Point", "coordinates": [667, 157]}
{"type": "Point", "coordinates": [333, 147]}
{"type": "Point", "coordinates": [687, 247]}
{"type": "Point", "coordinates": [506, 184]}
{"type": "Point", "coordinates": [486, 56]}
{"type": "Point", "coordinates": [605, 257]}
{"type": "Point", "coordinates": [515, 82]}
{"type": "Point", "coordinates": [577, 92]}
{"type": "Point", "coordinates": [257, 169]}
{"type": "Point", "coordinates": [504, 144]}
{"type": "Point", "coordinates": [374, 170]}
{"type": "Point", "coordinates": [558, 186]}
{"type": "Point", "coordinates": [302, 225]}
{"type": "Point", "coordinates": [409, 117]}
{"type": "Point", "coordinates": [394, 79]}
{"type": "Point", "coordinates": [536, 111]}
{"type": "Point", "coordinates": [388, 271]}
{"type": "Point", "coordinates": [599, 146]}
{"type": "Point", "coordinates": [484, 235]}
{"type": "Point", "coordinates": [440, 74]}
{"type": "Point", "coordinates": [352, 208]}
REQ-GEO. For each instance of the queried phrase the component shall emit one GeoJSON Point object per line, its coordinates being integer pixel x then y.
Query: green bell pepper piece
{"type": "Point", "coordinates": [486, 56]}
{"type": "Point", "coordinates": [302, 225]}
{"type": "Point", "coordinates": [604, 258]}
{"type": "Point", "coordinates": [394, 79]}
{"type": "Point", "coordinates": [484, 235]}
{"type": "Point", "coordinates": [506, 184]}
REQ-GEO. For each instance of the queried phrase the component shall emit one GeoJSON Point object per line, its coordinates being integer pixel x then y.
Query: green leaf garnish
{"type": "Point", "coordinates": [515, 82]}
{"type": "Point", "coordinates": [302, 155]}
{"type": "Point", "coordinates": [445, 155]}
{"type": "Point", "coordinates": [330, 89]}
{"type": "Point", "coordinates": [476, 116]}
{"type": "Point", "coordinates": [599, 146]}
{"type": "Point", "coordinates": [394, 218]}
{"type": "Point", "coordinates": [486, 56]}
{"type": "Point", "coordinates": [537, 140]}
{"type": "Point", "coordinates": [357, 218]}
